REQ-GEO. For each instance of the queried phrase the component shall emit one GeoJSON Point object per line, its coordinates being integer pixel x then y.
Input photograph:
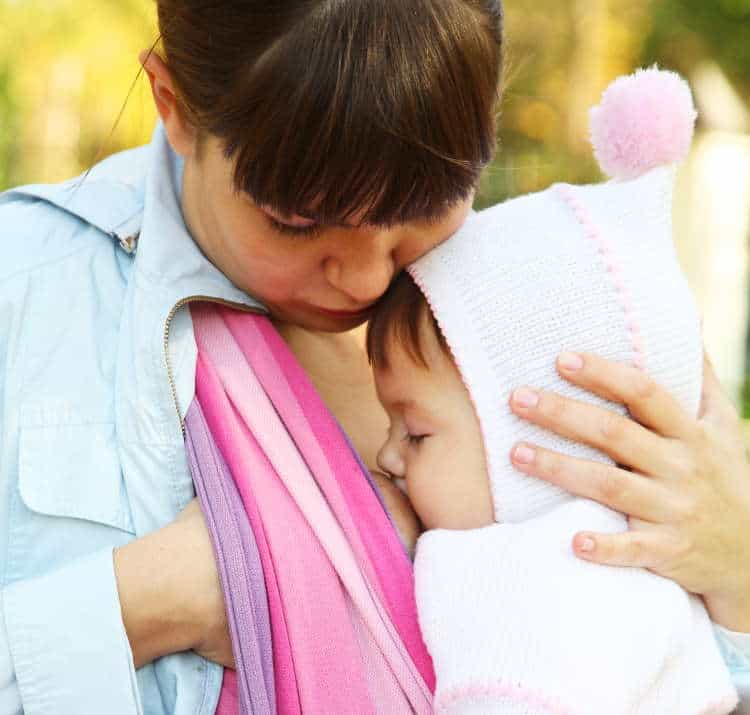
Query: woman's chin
{"type": "Point", "coordinates": [319, 321]}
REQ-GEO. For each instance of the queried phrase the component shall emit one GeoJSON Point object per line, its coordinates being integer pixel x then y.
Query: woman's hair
{"type": "Point", "coordinates": [380, 108]}
{"type": "Point", "coordinates": [399, 321]}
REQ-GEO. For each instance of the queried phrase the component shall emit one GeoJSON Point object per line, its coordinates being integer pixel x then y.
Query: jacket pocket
{"type": "Point", "coordinates": [73, 470]}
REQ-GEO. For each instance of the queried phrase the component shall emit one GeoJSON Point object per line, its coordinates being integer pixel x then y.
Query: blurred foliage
{"type": "Point", "coordinates": [684, 32]}
{"type": "Point", "coordinates": [66, 67]}
{"type": "Point", "coordinates": [65, 70]}
{"type": "Point", "coordinates": [745, 401]}
{"type": "Point", "coordinates": [561, 55]}
{"type": "Point", "coordinates": [9, 117]}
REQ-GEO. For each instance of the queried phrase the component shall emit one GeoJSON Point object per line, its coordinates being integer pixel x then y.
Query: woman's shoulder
{"type": "Point", "coordinates": [44, 223]}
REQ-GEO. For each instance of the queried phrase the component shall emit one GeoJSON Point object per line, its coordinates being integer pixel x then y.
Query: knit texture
{"type": "Point", "coordinates": [515, 623]}
{"type": "Point", "coordinates": [530, 278]}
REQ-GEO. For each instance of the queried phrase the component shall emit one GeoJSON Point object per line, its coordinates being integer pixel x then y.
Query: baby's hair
{"type": "Point", "coordinates": [400, 319]}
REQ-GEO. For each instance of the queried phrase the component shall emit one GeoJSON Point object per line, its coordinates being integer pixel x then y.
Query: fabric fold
{"type": "Point", "coordinates": [339, 590]}
{"type": "Point", "coordinates": [240, 569]}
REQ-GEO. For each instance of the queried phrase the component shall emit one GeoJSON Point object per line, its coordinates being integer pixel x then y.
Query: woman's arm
{"type": "Point", "coordinates": [169, 588]}
{"type": "Point", "coordinates": [170, 593]}
{"type": "Point", "coordinates": [62, 635]}
{"type": "Point", "coordinates": [684, 482]}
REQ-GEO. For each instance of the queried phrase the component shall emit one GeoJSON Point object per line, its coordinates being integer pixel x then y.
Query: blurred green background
{"type": "Point", "coordinates": [67, 66]}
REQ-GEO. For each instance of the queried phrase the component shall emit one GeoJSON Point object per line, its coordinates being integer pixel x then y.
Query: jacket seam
{"type": "Point", "coordinates": [28, 192]}
{"type": "Point", "coordinates": [37, 266]}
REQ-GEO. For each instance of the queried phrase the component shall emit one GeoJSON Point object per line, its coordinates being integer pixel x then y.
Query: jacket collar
{"type": "Point", "coordinates": [167, 256]}
{"type": "Point", "coordinates": [109, 197]}
{"type": "Point", "coordinates": [133, 197]}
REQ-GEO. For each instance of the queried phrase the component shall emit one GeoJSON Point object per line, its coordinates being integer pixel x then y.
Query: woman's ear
{"type": "Point", "coordinates": [181, 134]}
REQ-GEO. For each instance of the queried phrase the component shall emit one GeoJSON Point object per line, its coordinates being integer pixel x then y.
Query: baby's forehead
{"type": "Point", "coordinates": [400, 375]}
{"type": "Point", "coordinates": [408, 382]}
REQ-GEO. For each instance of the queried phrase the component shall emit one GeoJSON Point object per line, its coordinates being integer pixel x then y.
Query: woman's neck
{"type": "Point", "coordinates": [337, 365]}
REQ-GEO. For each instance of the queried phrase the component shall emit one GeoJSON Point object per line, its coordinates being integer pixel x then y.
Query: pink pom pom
{"type": "Point", "coordinates": [644, 120]}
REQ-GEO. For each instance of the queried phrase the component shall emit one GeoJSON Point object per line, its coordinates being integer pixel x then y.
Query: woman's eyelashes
{"type": "Point", "coordinates": [415, 439]}
{"type": "Point", "coordinates": [309, 231]}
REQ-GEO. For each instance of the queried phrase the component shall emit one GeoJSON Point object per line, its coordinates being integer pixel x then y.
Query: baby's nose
{"type": "Point", "coordinates": [390, 461]}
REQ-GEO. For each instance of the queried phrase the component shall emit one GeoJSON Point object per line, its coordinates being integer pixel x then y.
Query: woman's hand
{"type": "Point", "coordinates": [170, 593]}
{"type": "Point", "coordinates": [683, 482]}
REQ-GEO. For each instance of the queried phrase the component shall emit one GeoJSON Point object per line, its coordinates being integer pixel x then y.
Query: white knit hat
{"type": "Point", "coordinates": [573, 268]}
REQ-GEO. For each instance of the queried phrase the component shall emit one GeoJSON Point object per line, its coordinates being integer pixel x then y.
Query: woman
{"type": "Point", "coordinates": [307, 152]}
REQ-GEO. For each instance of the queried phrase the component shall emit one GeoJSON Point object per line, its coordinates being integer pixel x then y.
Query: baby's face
{"type": "Point", "coordinates": [434, 441]}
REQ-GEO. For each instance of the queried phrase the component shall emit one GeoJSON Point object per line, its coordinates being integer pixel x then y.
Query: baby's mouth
{"type": "Point", "coordinates": [400, 482]}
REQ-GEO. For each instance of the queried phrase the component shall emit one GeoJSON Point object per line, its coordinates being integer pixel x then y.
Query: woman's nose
{"type": "Point", "coordinates": [390, 461]}
{"type": "Point", "coordinates": [363, 275]}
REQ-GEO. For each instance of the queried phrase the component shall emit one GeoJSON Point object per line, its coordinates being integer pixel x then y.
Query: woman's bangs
{"type": "Point", "coordinates": [371, 178]}
{"type": "Point", "coordinates": [394, 125]}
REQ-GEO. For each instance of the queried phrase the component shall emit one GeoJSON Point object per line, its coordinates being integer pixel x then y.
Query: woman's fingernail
{"type": "Point", "coordinates": [523, 454]}
{"type": "Point", "coordinates": [570, 361]}
{"type": "Point", "coordinates": [586, 545]}
{"type": "Point", "coordinates": [525, 398]}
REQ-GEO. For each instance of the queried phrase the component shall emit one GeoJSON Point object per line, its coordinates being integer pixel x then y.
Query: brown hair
{"type": "Point", "coordinates": [398, 321]}
{"type": "Point", "coordinates": [384, 108]}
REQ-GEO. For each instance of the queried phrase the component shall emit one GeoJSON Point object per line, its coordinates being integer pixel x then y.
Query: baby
{"type": "Point", "coordinates": [515, 623]}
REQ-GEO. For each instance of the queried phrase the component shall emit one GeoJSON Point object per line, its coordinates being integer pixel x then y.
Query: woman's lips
{"type": "Point", "coordinates": [344, 314]}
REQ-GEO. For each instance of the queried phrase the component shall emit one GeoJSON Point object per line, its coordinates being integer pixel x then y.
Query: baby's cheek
{"type": "Point", "coordinates": [452, 495]}
{"type": "Point", "coordinates": [430, 500]}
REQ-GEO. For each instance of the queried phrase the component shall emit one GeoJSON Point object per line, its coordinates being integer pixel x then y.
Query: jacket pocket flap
{"type": "Point", "coordinates": [73, 471]}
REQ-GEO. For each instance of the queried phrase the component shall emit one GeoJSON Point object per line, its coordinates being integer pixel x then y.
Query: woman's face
{"type": "Point", "coordinates": [320, 277]}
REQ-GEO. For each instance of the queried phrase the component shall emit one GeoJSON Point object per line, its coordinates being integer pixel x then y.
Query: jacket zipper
{"type": "Point", "coordinates": [191, 299]}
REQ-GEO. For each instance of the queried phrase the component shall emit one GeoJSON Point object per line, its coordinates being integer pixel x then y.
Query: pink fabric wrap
{"type": "Point", "coordinates": [340, 585]}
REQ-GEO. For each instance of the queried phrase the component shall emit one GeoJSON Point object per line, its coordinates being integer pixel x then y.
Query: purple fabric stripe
{"type": "Point", "coordinates": [374, 486]}
{"type": "Point", "coordinates": [364, 469]}
{"type": "Point", "coordinates": [239, 565]}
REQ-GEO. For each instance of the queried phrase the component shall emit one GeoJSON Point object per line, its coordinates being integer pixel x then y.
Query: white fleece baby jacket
{"type": "Point", "coordinates": [515, 623]}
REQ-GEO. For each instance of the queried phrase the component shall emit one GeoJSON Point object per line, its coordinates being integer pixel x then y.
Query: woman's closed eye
{"type": "Point", "coordinates": [305, 231]}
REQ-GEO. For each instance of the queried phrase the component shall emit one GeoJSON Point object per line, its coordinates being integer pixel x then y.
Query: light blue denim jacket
{"type": "Point", "coordinates": [97, 361]}
{"type": "Point", "coordinates": [91, 450]}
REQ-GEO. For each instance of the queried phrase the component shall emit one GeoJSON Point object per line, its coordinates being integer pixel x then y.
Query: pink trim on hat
{"type": "Point", "coordinates": [723, 706]}
{"type": "Point", "coordinates": [500, 689]}
{"type": "Point", "coordinates": [607, 252]}
{"type": "Point", "coordinates": [553, 706]}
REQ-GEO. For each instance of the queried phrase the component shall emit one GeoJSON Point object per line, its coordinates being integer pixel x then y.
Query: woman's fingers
{"type": "Point", "coordinates": [689, 503]}
{"type": "Point", "coordinates": [623, 439]}
{"type": "Point", "coordinates": [648, 403]}
{"type": "Point", "coordinates": [642, 549]}
{"type": "Point", "coordinates": [619, 489]}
